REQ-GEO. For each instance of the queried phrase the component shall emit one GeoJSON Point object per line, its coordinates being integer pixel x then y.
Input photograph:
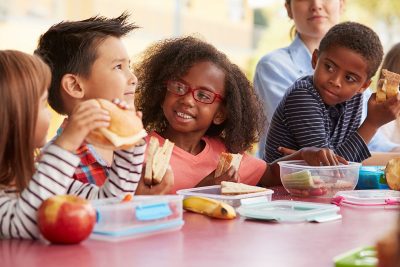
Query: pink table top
{"type": "Point", "coordinates": [209, 242]}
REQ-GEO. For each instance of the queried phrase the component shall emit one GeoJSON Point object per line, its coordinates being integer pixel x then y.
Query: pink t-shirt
{"type": "Point", "coordinates": [190, 169]}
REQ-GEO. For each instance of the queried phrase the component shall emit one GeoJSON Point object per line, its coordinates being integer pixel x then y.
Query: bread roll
{"type": "Point", "coordinates": [125, 130]}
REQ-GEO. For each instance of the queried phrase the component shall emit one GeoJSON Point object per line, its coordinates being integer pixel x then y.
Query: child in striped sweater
{"type": "Point", "coordinates": [324, 110]}
{"type": "Point", "coordinates": [24, 80]}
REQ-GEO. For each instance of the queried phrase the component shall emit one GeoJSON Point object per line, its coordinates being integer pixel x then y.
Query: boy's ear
{"type": "Point", "coordinates": [70, 85]}
{"type": "Point", "coordinates": [364, 86]}
{"type": "Point", "coordinates": [289, 11]}
{"type": "Point", "coordinates": [314, 58]}
{"type": "Point", "coordinates": [220, 116]}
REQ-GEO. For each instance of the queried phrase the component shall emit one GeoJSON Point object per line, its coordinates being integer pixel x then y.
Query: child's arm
{"type": "Point", "coordinates": [378, 115]}
{"type": "Point", "coordinates": [52, 177]}
{"type": "Point", "coordinates": [123, 177]}
{"type": "Point", "coordinates": [126, 168]}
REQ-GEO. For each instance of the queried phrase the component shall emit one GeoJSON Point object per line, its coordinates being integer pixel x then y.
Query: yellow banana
{"type": "Point", "coordinates": [209, 207]}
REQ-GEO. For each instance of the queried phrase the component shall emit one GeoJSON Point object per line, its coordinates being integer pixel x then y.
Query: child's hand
{"type": "Point", "coordinates": [162, 188]}
{"type": "Point", "coordinates": [382, 113]}
{"type": "Point", "coordinates": [321, 156]}
{"type": "Point", "coordinates": [314, 156]}
{"type": "Point", "coordinates": [230, 175]}
{"type": "Point", "coordinates": [86, 117]}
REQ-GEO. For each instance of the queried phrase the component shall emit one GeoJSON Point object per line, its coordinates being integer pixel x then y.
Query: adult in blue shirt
{"type": "Point", "coordinates": [278, 70]}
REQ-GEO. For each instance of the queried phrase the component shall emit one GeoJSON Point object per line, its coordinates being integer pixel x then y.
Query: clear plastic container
{"type": "Point", "coordinates": [368, 198]}
{"type": "Point", "coordinates": [144, 215]}
{"type": "Point", "coordinates": [372, 177]}
{"type": "Point", "coordinates": [214, 192]}
{"type": "Point", "coordinates": [302, 180]}
{"type": "Point", "coordinates": [288, 211]}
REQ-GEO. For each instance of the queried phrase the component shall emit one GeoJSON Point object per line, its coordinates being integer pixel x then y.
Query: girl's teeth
{"type": "Point", "coordinates": [183, 115]}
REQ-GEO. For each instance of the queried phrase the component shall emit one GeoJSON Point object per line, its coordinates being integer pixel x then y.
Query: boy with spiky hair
{"type": "Point", "coordinates": [324, 110]}
{"type": "Point", "coordinates": [89, 60]}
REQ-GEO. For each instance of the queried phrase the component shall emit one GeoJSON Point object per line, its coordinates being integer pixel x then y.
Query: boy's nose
{"type": "Point", "coordinates": [133, 79]}
{"type": "Point", "coordinates": [335, 80]}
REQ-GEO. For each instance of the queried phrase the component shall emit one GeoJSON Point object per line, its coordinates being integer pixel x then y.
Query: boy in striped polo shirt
{"type": "Point", "coordinates": [324, 110]}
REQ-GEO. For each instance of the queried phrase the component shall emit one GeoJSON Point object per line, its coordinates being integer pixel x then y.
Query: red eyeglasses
{"type": "Point", "coordinates": [199, 94]}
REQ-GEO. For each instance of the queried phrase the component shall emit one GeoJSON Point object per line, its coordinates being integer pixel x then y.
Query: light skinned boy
{"type": "Point", "coordinates": [324, 110]}
{"type": "Point", "coordinates": [89, 60]}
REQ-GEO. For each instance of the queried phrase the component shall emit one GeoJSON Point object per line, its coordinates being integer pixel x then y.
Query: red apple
{"type": "Point", "coordinates": [66, 219]}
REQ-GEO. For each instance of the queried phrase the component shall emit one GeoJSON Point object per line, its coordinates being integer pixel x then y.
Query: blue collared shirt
{"type": "Point", "coordinates": [278, 70]}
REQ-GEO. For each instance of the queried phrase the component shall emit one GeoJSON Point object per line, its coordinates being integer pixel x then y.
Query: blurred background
{"type": "Point", "coordinates": [244, 29]}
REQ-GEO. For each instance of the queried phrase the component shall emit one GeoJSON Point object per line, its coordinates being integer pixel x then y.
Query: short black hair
{"type": "Point", "coordinates": [171, 59]}
{"type": "Point", "coordinates": [71, 47]}
{"type": "Point", "coordinates": [357, 37]}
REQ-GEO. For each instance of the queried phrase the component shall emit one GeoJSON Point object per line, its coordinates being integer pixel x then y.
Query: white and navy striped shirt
{"type": "Point", "coordinates": [53, 174]}
{"type": "Point", "coordinates": [303, 120]}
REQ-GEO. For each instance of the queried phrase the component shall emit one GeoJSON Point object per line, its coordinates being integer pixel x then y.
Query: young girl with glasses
{"type": "Point", "coordinates": [190, 93]}
{"type": "Point", "coordinates": [24, 118]}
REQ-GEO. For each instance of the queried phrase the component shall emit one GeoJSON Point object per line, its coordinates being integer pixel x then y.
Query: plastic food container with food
{"type": "Point", "coordinates": [214, 192]}
{"type": "Point", "coordinates": [144, 215]}
{"type": "Point", "coordinates": [302, 180]}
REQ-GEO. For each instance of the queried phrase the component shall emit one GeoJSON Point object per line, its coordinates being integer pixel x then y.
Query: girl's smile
{"type": "Point", "coordinates": [184, 116]}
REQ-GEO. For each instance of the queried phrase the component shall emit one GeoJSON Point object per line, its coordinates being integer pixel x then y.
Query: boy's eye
{"type": "Point", "coordinates": [350, 78]}
{"type": "Point", "coordinates": [329, 67]}
{"type": "Point", "coordinates": [119, 66]}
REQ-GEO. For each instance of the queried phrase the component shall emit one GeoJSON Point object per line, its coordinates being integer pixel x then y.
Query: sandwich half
{"type": "Point", "coordinates": [226, 160]}
{"type": "Point", "coordinates": [387, 87]}
{"type": "Point", "coordinates": [230, 188]}
{"type": "Point", "coordinates": [157, 160]}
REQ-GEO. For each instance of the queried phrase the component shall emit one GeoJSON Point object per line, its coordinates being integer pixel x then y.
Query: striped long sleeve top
{"type": "Point", "coordinates": [303, 120]}
{"type": "Point", "coordinates": [53, 174]}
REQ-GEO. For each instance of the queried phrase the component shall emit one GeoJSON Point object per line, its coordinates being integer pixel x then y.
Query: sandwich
{"type": "Point", "coordinates": [387, 87]}
{"type": "Point", "coordinates": [157, 160]}
{"type": "Point", "coordinates": [392, 174]}
{"type": "Point", "coordinates": [125, 129]}
{"type": "Point", "coordinates": [226, 160]}
{"type": "Point", "coordinates": [230, 188]}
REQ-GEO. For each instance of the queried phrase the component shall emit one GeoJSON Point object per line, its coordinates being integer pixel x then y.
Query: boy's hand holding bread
{"type": "Point", "coordinates": [102, 123]}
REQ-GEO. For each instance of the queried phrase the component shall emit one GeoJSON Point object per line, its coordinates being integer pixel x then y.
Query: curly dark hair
{"type": "Point", "coordinates": [357, 37]}
{"type": "Point", "coordinates": [171, 59]}
{"type": "Point", "coordinates": [71, 47]}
